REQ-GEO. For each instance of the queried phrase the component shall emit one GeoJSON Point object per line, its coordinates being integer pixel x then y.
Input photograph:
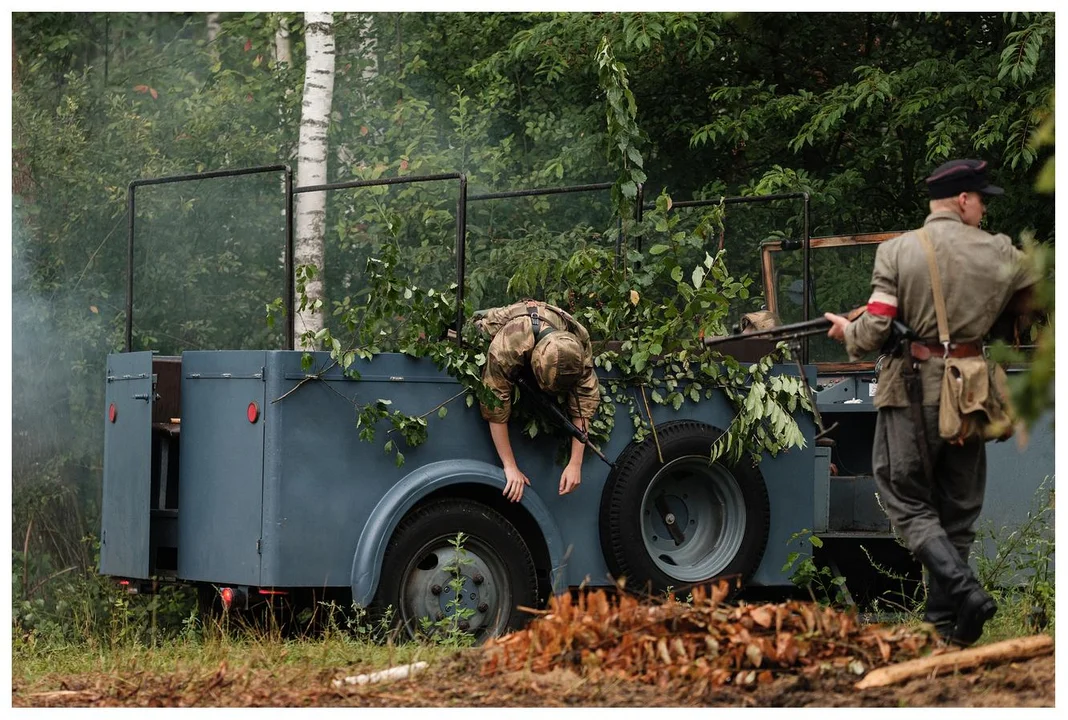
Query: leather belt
{"type": "Point", "coordinates": [926, 350]}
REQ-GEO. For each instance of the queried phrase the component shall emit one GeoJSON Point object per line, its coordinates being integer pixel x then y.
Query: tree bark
{"type": "Point", "coordinates": [1014, 649]}
{"type": "Point", "coordinates": [214, 28]}
{"type": "Point", "coordinates": [283, 47]}
{"type": "Point", "coordinates": [312, 161]}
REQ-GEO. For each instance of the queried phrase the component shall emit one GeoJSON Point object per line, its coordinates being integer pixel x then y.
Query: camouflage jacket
{"type": "Point", "coordinates": [979, 273]}
{"type": "Point", "coordinates": [512, 340]}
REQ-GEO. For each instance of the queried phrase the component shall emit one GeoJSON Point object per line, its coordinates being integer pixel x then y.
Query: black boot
{"type": "Point", "coordinates": [939, 609]}
{"type": "Point", "coordinates": [954, 577]}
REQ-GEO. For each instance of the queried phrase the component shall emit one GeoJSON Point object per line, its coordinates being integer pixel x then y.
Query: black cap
{"type": "Point", "coordinates": [957, 176]}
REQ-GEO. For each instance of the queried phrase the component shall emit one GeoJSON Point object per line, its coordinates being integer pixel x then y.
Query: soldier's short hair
{"type": "Point", "coordinates": [557, 361]}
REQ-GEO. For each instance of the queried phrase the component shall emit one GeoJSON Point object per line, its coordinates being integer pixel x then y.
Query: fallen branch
{"type": "Point", "coordinates": [394, 673]}
{"type": "Point", "coordinates": [65, 695]}
{"type": "Point", "coordinates": [1015, 649]}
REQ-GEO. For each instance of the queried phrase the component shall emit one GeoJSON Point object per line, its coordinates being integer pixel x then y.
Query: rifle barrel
{"type": "Point", "coordinates": [782, 332]}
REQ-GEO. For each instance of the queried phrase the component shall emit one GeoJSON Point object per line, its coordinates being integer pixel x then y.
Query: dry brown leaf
{"type": "Point", "coordinates": [884, 648]}
{"type": "Point", "coordinates": [754, 654]}
{"type": "Point", "coordinates": [762, 616]}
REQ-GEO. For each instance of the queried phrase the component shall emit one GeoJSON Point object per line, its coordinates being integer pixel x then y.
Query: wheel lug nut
{"type": "Point", "coordinates": [478, 579]}
{"type": "Point", "coordinates": [483, 607]}
{"type": "Point", "coordinates": [464, 625]}
{"type": "Point", "coordinates": [435, 589]}
{"type": "Point", "coordinates": [439, 616]}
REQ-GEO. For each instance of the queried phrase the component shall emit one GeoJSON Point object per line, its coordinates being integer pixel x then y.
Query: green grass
{"type": "Point", "coordinates": [130, 638]}
{"type": "Point", "coordinates": [33, 662]}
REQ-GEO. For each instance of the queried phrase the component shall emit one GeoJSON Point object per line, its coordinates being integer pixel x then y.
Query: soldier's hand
{"type": "Point", "coordinates": [514, 482]}
{"type": "Point", "coordinates": [838, 326]}
{"type": "Point", "coordinates": [570, 478]}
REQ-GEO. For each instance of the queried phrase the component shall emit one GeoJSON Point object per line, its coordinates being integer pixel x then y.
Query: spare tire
{"type": "Point", "coordinates": [685, 520]}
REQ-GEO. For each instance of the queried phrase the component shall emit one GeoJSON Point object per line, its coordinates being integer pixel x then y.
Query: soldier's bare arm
{"type": "Point", "coordinates": [514, 478]}
{"type": "Point", "coordinates": [571, 478]}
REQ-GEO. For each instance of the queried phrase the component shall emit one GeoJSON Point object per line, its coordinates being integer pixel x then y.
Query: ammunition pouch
{"type": "Point", "coordinates": [974, 401]}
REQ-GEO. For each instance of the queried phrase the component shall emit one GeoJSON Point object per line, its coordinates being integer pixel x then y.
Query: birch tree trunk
{"type": "Point", "coordinates": [214, 28]}
{"type": "Point", "coordinates": [311, 161]}
{"type": "Point", "coordinates": [283, 47]}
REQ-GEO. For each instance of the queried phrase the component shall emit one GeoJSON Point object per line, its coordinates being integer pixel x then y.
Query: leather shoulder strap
{"type": "Point", "coordinates": [936, 287]}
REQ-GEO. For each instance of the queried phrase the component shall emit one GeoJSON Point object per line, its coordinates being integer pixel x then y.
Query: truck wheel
{"type": "Point", "coordinates": [685, 520]}
{"type": "Point", "coordinates": [475, 588]}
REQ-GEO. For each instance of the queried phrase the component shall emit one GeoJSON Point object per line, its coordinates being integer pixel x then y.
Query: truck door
{"type": "Point", "coordinates": [125, 511]}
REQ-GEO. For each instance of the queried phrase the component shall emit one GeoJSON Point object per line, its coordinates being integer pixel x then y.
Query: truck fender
{"type": "Point", "coordinates": [399, 499]}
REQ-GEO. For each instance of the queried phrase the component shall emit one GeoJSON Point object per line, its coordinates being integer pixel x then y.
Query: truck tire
{"type": "Point", "coordinates": [420, 579]}
{"type": "Point", "coordinates": [719, 514]}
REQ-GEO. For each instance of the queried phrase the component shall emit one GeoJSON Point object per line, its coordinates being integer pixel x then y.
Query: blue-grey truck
{"type": "Point", "coordinates": [217, 473]}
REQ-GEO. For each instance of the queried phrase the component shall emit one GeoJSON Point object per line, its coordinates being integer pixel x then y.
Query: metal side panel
{"type": "Point", "coordinates": [220, 491]}
{"type": "Point", "coordinates": [125, 511]}
{"type": "Point", "coordinates": [1016, 471]}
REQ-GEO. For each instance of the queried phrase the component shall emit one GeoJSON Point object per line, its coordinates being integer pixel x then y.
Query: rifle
{"type": "Point", "coordinates": [791, 332]}
{"type": "Point", "coordinates": [556, 414]}
{"type": "Point", "coordinates": [900, 337]}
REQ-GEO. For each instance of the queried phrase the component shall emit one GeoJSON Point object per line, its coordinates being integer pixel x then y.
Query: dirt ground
{"type": "Point", "coordinates": [456, 683]}
{"type": "Point", "coordinates": [593, 650]}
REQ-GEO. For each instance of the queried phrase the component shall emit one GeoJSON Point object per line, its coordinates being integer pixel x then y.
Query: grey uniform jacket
{"type": "Point", "coordinates": [979, 273]}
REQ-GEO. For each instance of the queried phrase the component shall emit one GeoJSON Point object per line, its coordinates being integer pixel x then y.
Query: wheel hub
{"type": "Point", "coordinates": [441, 584]}
{"type": "Point", "coordinates": [692, 519]}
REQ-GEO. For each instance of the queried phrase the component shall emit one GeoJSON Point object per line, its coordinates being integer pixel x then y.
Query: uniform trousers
{"type": "Point", "coordinates": [920, 510]}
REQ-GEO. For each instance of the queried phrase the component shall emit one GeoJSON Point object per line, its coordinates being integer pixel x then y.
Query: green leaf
{"type": "Point", "coordinates": [698, 276]}
{"type": "Point", "coordinates": [676, 274]}
{"type": "Point", "coordinates": [443, 411]}
{"type": "Point", "coordinates": [659, 249]}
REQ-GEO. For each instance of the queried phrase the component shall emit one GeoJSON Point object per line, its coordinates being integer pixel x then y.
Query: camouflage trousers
{"type": "Point", "coordinates": [920, 510]}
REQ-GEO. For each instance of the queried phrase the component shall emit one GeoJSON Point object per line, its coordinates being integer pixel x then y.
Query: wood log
{"type": "Point", "coordinates": [1004, 651]}
{"type": "Point", "coordinates": [64, 695]}
{"type": "Point", "coordinates": [394, 673]}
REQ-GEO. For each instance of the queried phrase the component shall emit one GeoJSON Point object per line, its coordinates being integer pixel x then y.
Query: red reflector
{"type": "Point", "coordinates": [124, 582]}
{"type": "Point", "coordinates": [253, 412]}
{"type": "Point", "coordinates": [112, 412]}
{"type": "Point", "coordinates": [265, 591]}
{"type": "Point", "coordinates": [227, 595]}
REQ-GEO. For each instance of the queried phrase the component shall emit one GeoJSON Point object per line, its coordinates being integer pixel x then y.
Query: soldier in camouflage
{"type": "Point", "coordinates": [982, 276]}
{"type": "Point", "coordinates": [549, 343]}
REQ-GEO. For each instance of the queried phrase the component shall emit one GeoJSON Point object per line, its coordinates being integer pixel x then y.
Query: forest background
{"type": "Point", "coordinates": [852, 108]}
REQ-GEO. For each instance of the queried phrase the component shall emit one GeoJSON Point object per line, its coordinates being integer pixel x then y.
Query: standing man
{"type": "Point", "coordinates": [545, 341]}
{"type": "Point", "coordinates": [982, 276]}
